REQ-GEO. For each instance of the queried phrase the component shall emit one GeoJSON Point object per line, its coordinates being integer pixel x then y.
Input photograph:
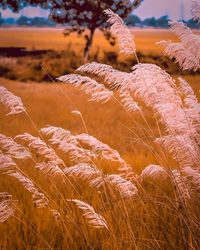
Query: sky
{"type": "Point", "coordinates": [175, 9]}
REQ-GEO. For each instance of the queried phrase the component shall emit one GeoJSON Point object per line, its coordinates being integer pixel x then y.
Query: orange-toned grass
{"type": "Point", "coordinates": [52, 104]}
{"type": "Point", "coordinates": [52, 38]}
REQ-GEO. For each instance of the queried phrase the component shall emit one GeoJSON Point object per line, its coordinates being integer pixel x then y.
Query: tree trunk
{"type": "Point", "coordinates": [88, 44]}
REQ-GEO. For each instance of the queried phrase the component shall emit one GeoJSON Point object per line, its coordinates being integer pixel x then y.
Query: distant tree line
{"type": "Point", "coordinates": [27, 21]}
{"type": "Point", "coordinates": [131, 20]}
{"type": "Point", "coordinates": [161, 22]}
{"type": "Point", "coordinates": [35, 21]}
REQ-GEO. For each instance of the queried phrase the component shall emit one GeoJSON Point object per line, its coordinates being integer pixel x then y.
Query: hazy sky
{"type": "Point", "coordinates": [172, 8]}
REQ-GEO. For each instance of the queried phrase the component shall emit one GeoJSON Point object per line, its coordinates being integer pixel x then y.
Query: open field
{"type": "Point", "coordinates": [155, 219]}
{"type": "Point", "coordinates": [52, 38]}
{"type": "Point", "coordinates": [48, 52]}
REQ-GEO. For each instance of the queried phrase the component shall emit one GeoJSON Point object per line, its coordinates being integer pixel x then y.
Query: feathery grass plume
{"type": "Point", "coordinates": [59, 135]}
{"type": "Point", "coordinates": [68, 144]}
{"type": "Point", "coordinates": [39, 198]}
{"type": "Point", "coordinates": [122, 32]}
{"type": "Point", "coordinates": [125, 188]}
{"type": "Point", "coordinates": [150, 81]}
{"type": "Point", "coordinates": [97, 91]}
{"type": "Point", "coordinates": [128, 103]}
{"type": "Point", "coordinates": [41, 147]}
{"type": "Point", "coordinates": [93, 219]}
{"type": "Point", "coordinates": [186, 91]}
{"type": "Point", "coordinates": [114, 78]}
{"type": "Point", "coordinates": [118, 80]}
{"type": "Point", "coordinates": [95, 68]}
{"type": "Point", "coordinates": [195, 10]}
{"type": "Point", "coordinates": [190, 102]}
{"type": "Point", "coordinates": [182, 55]}
{"type": "Point", "coordinates": [181, 184]}
{"type": "Point", "coordinates": [77, 154]}
{"type": "Point", "coordinates": [193, 174]}
{"type": "Point", "coordinates": [157, 89]}
{"type": "Point", "coordinates": [182, 148]}
{"type": "Point", "coordinates": [154, 172]}
{"type": "Point", "coordinates": [11, 102]}
{"type": "Point", "coordinates": [76, 112]}
{"type": "Point", "coordinates": [187, 52]}
{"type": "Point", "coordinates": [13, 149]}
{"type": "Point", "coordinates": [6, 162]}
{"type": "Point", "coordinates": [100, 148]}
{"type": "Point", "coordinates": [83, 171]}
{"type": "Point", "coordinates": [169, 115]}
{"type": "Point", "coordinates": [97, 182]}
{"type": "Point", "coordinates": [7, 207]}
{"type": "Point", "coordinates": [190, 40]}
{"type": "Point", "coordinates": [50, 168]}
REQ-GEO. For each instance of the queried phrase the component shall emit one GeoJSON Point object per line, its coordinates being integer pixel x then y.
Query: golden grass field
{"type": "Point", "coordinates": [52, 104]}
{"type": "Point", "coordinates": [52, 38]}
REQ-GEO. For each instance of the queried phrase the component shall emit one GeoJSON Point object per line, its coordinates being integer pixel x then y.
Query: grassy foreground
{"type": "Point", "coordinates": [136, 225]}
{"type": "Point", "coordinates": [52, 104]}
